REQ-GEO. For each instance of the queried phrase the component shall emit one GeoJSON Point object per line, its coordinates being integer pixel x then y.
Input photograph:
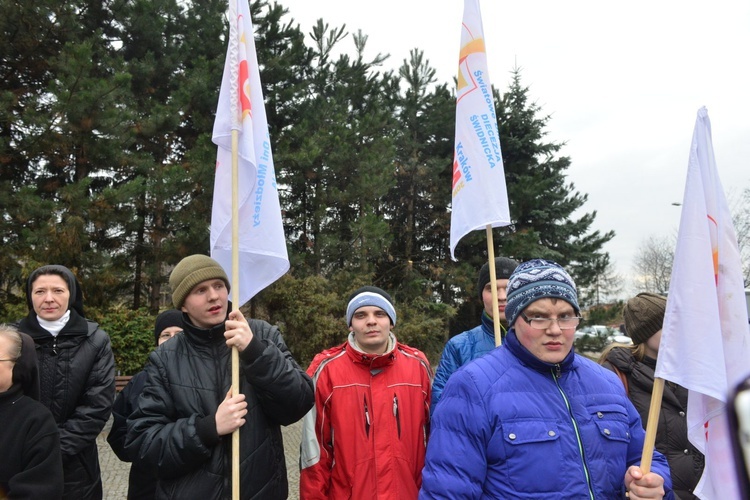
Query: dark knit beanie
{"type": "Point", "coordinates": [644, 316]}
{"type": "Point", "coordinates": [538, 279]}
{"type": "Point", "coordinates": [504, 267]}
{"type": "Point", "coordinates": [170, 317]}
{"type": "Point", "coordinates": [370, 296]}
{"type": "Point", "coordinates": [189, 272]}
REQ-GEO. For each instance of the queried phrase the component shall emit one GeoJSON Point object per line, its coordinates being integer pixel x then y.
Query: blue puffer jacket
{"type": "Point", "coordinates": [512, 426]}
{"type": "Point", "coordinates": [461, 349]}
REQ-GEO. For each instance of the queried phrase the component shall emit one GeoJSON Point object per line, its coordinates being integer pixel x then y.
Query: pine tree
{"type": "Point", "coordinates": [417, 267]}
{"type": "Point", "coordinates": [62, 134]}
{"type": "Point", "coordinates": [418, 202]}
{"type": "Point", "coordinates": [334, 163]}
{"type": "Point", "coordinates": [170, 49]}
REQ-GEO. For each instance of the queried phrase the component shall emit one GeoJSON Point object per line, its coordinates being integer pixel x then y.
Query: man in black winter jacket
{"type": "Point", "coordinates": [184, 419]}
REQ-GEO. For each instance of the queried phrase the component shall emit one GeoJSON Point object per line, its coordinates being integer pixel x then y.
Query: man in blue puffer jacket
{"type": "Point", "coordinates": [480, 340]}
{"type": "Point", "coordinates": [533, 419]}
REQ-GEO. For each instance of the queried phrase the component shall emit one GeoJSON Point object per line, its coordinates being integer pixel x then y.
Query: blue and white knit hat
{"type": "Point", "coordinates": [538, 279]}
{"type": "Point", "coordinates": [370, 296]}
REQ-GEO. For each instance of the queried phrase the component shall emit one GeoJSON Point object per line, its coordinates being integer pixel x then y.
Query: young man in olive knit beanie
{"type": "Point", "coordinates": [480, 340]}
{"type": "Point", "coordinates": [182, 424]}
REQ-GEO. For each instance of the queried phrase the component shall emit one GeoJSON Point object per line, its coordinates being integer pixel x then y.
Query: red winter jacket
{"type": "Point", "coordinates": [367, 434]}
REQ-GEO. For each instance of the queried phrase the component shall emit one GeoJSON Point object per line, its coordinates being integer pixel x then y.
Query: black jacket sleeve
{"type": "Point", "coordinates": [124, 405]}
{"type": "Point", "coordinates": [284, 390]}
{"type": "Point", "coordinates": [157, 436]}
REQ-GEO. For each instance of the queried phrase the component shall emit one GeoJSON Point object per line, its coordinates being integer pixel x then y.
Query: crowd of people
{"type": "Point", "coordinates": [528, 419]}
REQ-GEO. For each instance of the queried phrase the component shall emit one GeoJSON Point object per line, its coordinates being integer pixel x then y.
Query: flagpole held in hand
{"type": "Point", "coordinates": [236, 118]}
{"type": "Point", "coordinates": [249, 233]}
{"type": "Point", "coordinates": [651, 425]}
{"type": "Point", "coordinates": [235, 305]}
{"type": "Point", "coordinates": [479, 195]}
{"type": "Point", "coordinates": [493, 286]}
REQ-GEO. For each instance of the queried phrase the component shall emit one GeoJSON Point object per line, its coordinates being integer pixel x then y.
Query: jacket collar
{"type": "Point", "coordinates": [76, 325]}
{"type": "Point", "coordinates": [371, 360]}
{"type": "Point", "coordinates": [202, 335]}
{"type": "Point", "coordinates": [12, 395]}
{"type": "Point", "coordinates": [488, 327]}
{"type": "Point", "coordinates": [519, 351]}
{"type": "Point", "coordinates": [640, 373]}
{"type": "Point", "coordinates": [205, 335]}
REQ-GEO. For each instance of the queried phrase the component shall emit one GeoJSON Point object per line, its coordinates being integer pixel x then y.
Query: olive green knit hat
{"type": "Point", "coordinates": [644, 316]}
{"type": "Point", "coordinates": [189, 272]}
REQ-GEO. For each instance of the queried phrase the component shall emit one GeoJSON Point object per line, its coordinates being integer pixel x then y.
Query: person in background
{"type": "Point", "coordinates": [142, 480]}
{"type": "Point", "coordinates": [76, 373]}
{"type": "Point", "coordinates": [480, 340]}
{"type": "Point", "coordinates": [366, 436]}
{"type": "Point", "coordinates": [535, 420]}
{"type": "Point", "coordinates": [635, 365]}
{"type": "Point", "coordinates": [183, 421]}
{"type": "Point", "coordinates": [30, 459]}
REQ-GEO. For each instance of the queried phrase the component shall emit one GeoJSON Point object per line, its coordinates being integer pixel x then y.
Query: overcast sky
{"type": "Point", "coordinates": [622, 83]}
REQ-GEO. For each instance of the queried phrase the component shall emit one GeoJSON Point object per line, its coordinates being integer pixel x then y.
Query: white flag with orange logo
{"type": "Point", "coordinates": [705, 342]}
{"type": "Point", "coordinates": [262, 246]}
{"type": "Point", "coordinates": [479, 193]}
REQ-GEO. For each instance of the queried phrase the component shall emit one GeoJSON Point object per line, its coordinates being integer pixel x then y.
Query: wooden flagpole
{"type": "Point", "coordinates": [235, 305]}
{"type": "Point", "coordinates": [233, 55]}
{"type": "Point", "coordinates": [493, 286]}
{"type": "Point", "coordinates": [652, 424]}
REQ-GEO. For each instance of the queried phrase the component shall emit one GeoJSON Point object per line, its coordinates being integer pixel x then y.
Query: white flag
{"type": "Point", "coordinates": [262, 247]}
{"type": "Point", "coordinates": [479, 193]}
{"type": "Point", "coordinates": [705, 342]}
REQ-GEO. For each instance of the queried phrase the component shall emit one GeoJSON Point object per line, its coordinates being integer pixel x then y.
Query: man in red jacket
{"type": "Point", "coordinates": [367, 434]}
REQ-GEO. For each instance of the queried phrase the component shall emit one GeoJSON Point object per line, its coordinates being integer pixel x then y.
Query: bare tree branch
{"type": "Point", "coordinates": [653, 264]}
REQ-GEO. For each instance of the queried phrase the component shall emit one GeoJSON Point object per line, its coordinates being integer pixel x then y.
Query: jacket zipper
{"type": "Point", "coordinates": [555, 377]}
{"type": "Point", "coordinates": [367, 418]}
{"type": "Point", "coordinates": [395, 414]}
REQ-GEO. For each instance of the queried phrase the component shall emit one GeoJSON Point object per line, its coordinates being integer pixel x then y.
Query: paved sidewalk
{"type": "Point", "coordinates": [115, 473]}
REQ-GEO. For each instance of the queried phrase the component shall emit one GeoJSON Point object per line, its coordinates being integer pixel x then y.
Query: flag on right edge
{"type": "Point", "coordinates": [705, 342]}
{"type": "Point", "coordinates": [480, 196]}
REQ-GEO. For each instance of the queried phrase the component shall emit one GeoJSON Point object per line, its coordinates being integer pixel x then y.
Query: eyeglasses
{"type": "Point", "coordinates": [565, 323]}
{"type": "Point", "coordinates": [9, 359]}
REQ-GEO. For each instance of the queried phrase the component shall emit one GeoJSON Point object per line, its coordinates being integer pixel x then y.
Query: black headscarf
{"type": "Point", "coordinates": [25, 370]}
{"type": "Point", "coordinates": [76, 295]}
